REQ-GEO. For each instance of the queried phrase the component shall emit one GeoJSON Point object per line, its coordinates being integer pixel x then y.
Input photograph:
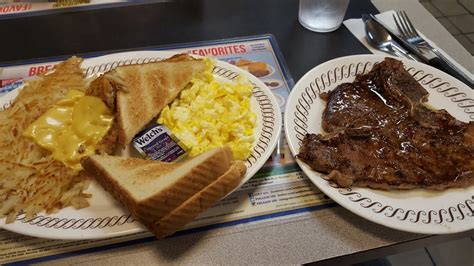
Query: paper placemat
{"type": "Point", "coordinates": [14, 9]}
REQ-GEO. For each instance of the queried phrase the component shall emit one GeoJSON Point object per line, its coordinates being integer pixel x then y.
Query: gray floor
{"type": "Point", "coordinates": [452, 253]}
{"type": "Point", "coordinates": [457, 16]}
{"type": "Point", "coordinates": [459, 252]}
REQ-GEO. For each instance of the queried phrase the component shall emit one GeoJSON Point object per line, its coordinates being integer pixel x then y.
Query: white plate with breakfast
{"type": "Point", "coordinates": [146, 136]}
{"type": "Point", "coordinates": [391, 141]}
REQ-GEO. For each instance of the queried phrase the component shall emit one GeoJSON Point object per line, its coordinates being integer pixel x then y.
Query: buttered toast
{"type": "Point", "coordinates": [139, 92]}
{"type": "Point", "coordinates": [199, 202]}
{"type": "Point", "coordinates": [151, 190]}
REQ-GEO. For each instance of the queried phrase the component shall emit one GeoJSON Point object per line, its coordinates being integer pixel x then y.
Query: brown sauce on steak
{"type": "Point", "coordinates": [382, 135]}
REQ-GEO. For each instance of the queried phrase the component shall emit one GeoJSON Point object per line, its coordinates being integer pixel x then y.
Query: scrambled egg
{"type": "Point", "coordinates": [211, 114]}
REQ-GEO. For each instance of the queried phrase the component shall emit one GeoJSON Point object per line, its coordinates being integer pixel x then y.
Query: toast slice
{"type": "Point", "coordinates": [200, 202]}
{"type": "Point", "coordinates": [139, 92]}
{"type": "Point", "coordinates": [151, 189]}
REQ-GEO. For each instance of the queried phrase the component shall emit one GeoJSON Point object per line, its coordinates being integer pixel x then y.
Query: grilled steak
{"type": "Point", "coordinates": [382, 135]}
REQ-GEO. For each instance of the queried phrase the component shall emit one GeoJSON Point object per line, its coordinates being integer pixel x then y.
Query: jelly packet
{"type": "Point", "coordinates": [157, 142]}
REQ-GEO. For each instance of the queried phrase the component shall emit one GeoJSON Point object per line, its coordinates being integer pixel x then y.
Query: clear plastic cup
{"type": "Point", "coordinates": [322, 15]}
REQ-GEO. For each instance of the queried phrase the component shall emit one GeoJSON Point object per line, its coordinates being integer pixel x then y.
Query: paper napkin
{"type": "Point", "coordinates": [356, 26]}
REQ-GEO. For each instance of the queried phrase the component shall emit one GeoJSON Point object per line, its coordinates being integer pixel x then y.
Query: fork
{"type": "Point", "coordinates": [409, 33]}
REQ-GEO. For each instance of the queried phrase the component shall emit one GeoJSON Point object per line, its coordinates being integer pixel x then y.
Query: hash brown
{"type": "Point", "coordinates": [31, 181]}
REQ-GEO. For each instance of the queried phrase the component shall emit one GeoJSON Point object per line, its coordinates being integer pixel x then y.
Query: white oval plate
{"type": "Point", "coordinates": [106, 217]}
{"type": "Point", "coordinates": [417, 211]}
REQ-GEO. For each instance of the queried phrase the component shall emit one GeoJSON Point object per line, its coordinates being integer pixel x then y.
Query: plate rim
{"type": "Point", "coordinates": [21, 227]}
{"type": "Point", "coordinates": [323, 185]}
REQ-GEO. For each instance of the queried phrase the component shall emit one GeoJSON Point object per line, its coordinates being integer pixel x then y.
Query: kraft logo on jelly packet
{"type": "Point", "coordinates": [157, 142]}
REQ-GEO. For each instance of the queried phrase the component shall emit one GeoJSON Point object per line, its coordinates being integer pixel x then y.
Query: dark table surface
{"type": "Point", "coordinates": [157, 24]}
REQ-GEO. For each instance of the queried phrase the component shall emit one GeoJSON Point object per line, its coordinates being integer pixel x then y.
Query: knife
{"type": "Point", "coordinates": [429, 58]}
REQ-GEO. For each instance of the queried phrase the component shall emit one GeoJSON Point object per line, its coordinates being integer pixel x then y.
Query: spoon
{"type": "Point", "coordinates": [380, 39]}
